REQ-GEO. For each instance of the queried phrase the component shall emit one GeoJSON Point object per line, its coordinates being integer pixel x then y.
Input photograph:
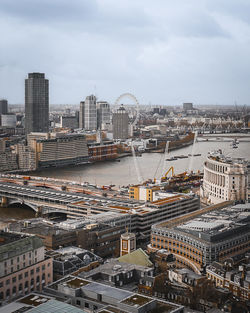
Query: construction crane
{"type": "Point", "coordinates": [139, 176]}
{"type": "Point", "coordinates": [192, 154]}
{"type": "Point", "coordinates": [166, 174]}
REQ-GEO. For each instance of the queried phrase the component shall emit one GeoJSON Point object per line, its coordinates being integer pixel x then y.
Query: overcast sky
{"type": "Point", "coordinates": [162, 51]}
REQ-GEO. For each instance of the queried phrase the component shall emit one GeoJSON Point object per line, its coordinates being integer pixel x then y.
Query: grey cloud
{"type": "Point", "coordinates": [48, 10]}
{"type": "Point", "coordinates": [239, 9]}
{"type": "Point", "coordinates": [163, 51]}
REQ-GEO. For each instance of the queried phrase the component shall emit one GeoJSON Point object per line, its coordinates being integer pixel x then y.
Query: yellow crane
{"type": "Point", "coordinates": [166, 174]}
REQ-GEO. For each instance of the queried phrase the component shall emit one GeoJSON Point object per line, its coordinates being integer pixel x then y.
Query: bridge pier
{"type": "Point", "coordinates": [4, 202]}
{"type": "Point", "coordinates": [39, 211]}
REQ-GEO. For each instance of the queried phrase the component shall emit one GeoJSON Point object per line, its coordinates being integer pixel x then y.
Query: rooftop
{"type": "Point", "coordinates": [212, 225]}
{"type": "Point", "coordinates": [113, 267]}
{"type": "Point", "coordinates": [137, 257]}
{"type": "Point", "coordinates": [13, 245]}
{"type": "Point", "coordinates": [6, 238]}
{"type": "Point", "coordinates": [218, 156]}
{"type": "Point", "coordinates": [137, 300]}
{"type": "Point", "coordinates": [37, 303]}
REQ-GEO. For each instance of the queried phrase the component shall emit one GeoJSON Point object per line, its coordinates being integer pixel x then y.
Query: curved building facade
{"type": "Point", "coordinates": [225, 179]}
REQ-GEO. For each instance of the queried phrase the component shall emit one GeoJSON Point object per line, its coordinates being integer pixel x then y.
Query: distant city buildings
{"type": "Point", "coordinates": [8, 120]}
{"type": "Point", "coordinates": [58, 149]}
{"type": "Point", "coordinates": [67, 121]}
{"type": "Point", "coordinates": [120, 124]}
{"type": "Point", "coordinates": [225, 179]}
{"type": "Point", "coordinates": [90, 113]}
{"type": "Point", "coordinates": [187, 106]}
{"type": "Point", "coordinates": [36, 103]}
{"type": "Point", "coordinates": [3, 106]}
{"type": "Point", "coordinates": [81, 115]}
{"type": "Point", "coordinates": [94, 115]}
{"type": "Point", "coordinates": [103, 114]}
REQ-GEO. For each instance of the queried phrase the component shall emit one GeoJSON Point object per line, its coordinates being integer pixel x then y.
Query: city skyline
{"type": "Point", "coordinates": [196, 51]}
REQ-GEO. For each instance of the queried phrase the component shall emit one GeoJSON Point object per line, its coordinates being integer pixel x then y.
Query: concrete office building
{"type": "Point", "coordinates": [58, 149]}
{"type": "Point", "coordinates": [36, 103]}
{"type": "Point", "coordinates": [212, 234]}
{"type": "Point", "coordinates": [67, 121]}
{"type": "Point", "coordinates": [103, 114]}
{"type": "Point", "coordinates": [187, 106]}
{"type": "Point", "coordinates": [26, 157]}
{"type": "Point", "coordinates": [3, 106]}
{"type": "Point", "coordinates": [120, 124]}
{"type": "Point", "coordinates": [81, 114]}
{"type": "Point", "coordinates": [8, 120]}
{"type": "Point", "coordinates": [90, 113]}
{"type": "Point", "coordinates": [23, 266]}
{"type": "Point", "coordinates": [225, 178]}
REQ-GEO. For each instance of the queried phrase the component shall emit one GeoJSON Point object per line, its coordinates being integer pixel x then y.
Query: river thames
{"type": "Point", "coordinates": [123, 173]}
{"type": "Point", "coordinates": [150, 165]}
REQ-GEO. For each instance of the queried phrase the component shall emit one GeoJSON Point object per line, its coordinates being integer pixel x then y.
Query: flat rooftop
{"type": "Point", "coordinates": [6, 238]}
{"type": "Point", "coordinates": [218, 222]}
{"type": "Point", "coordinates": [116, 293]}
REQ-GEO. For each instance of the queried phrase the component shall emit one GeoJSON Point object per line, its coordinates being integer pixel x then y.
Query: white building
{"type": "Point", "coordinates": [225, 179]}
{"type": "Point", "coordinates": [8, 120]}
{"type": "Point", "coordinates": [90, 113]}
{"type": "Point", "coordinates": [103, 114]}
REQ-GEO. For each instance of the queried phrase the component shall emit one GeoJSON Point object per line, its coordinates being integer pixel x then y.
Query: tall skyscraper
{"type": "Point", "coordinates": [120, 124]}
{"type": "Point", "coordinates": [103, 113]}
{"type": "Point", "coordinates": [90, 113]}
{"type": "Point", "coordinates": [81, 114]}
{"type": "Point", "coordinates": [36, 103]}
{"type": "Point", "coordinates": [3, 106]}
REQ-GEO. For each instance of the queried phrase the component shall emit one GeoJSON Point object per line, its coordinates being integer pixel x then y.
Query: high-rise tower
{"type": "Point", "coordinates": [36, 103]}
{"type": "Point", "coordinates": [3, 106]}
{"type": "Point", "coordinates": [120, 124]}
{"type": "Point", "coordinates": [90, 113]}
{"type": "Point", "coordinates": [103, 114]}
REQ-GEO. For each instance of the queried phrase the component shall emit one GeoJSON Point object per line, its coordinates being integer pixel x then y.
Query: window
{"type": "Point", "coordinates": [26, 285]}
{"type": "Point", "coordinates": [1, 284]}
{"type": "Point", "coordinates": [43, 267]}
{"type": "Point", "coordinates": [86, 305]}
{"type": "Point", "coordinates": [24, 257]}
{"type": "Point", "coordinates": [26, 274]}
{"type": "Point", "coordinates": [7, 282]}
{"type": "Point", "coordinates": [11, 261]}
{"type": "Point", "coordinates": [20, 276]}
{"type": "Point", "coordinates": [32, 272]}
{"type": "Point", "coordinates": [78, 302]}
{"type": "Point", "coordinates": [38, 269]}
{"type": "Point", "coordinates": [20, 288]}
{"type": "Point", "coordinates": [13, 279]}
